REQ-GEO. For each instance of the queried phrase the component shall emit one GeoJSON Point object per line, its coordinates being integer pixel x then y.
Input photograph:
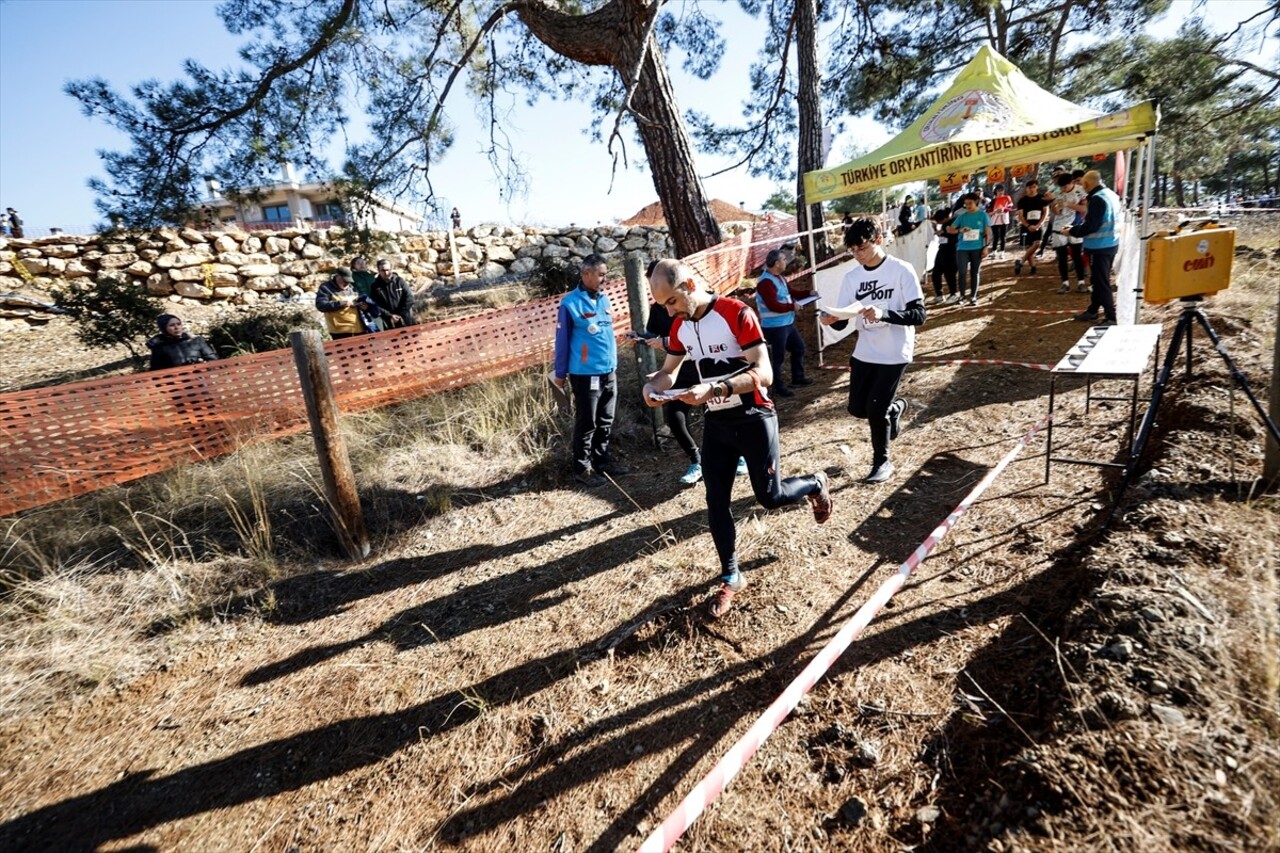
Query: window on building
{"type": "Point", "coordinates": [329, 211]}
{"type": "Point", "coordinates": [277, 213]}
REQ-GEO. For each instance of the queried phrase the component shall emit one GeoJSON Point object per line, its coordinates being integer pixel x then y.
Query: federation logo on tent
{"type": "Point", "coordinates": [976, 106]}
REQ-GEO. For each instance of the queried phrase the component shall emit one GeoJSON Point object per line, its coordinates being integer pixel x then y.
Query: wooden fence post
{"type": "Point", "coordinates": [335, 464]}
{"type": "Point", "coordinates": [638, 301]}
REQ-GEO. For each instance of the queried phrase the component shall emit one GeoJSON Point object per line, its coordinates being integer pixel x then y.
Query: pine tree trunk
{"type": "Point", "coordinates": [666, 145]}
{"type": "Point", "coordinates": [614, 35]}
{"type": "Point", "coordinates": [809, 145]}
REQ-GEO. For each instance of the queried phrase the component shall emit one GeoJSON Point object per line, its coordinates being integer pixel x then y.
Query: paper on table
{"type": "Point", "coordinates": [848, 312]}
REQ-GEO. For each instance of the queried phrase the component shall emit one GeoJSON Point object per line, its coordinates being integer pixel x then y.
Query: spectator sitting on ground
{"type": "Point", "coordinates": [346, 312]}
{"type": "Point", "coordinates": [173, 347]}
{"type": "Point", "coordinates": [393, 295]}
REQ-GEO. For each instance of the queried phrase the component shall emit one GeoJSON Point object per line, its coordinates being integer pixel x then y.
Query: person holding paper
{"type": "Point", "coordinates": [778, 317]}
{"type": "Point", "coordinates": [887, 304]}
{"type": "Point", "coordinates": [723, 338]}
{"type": "Point", "coordinates": [1069, 210]}
{"type": "Point", "coordinates": [972, 227]}
{"type": "Point", "coordinates": [1101, 243]}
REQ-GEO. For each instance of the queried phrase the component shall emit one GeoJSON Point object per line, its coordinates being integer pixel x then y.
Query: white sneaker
{"type": "Point", "coordinates": [935, 300]}
{"type": "Point", "coordinates": [1065, 288]}
{"type": "Point", "coordinates": [1081, 287]}
{"type": "Point", "coordinates": [742, 467]}
{"type": "Point", "coordinates": [691, 476]}
{"type": "Point", "coordinates": [953, 299]}
{"type": "Point", "coordinates": [973, 300]}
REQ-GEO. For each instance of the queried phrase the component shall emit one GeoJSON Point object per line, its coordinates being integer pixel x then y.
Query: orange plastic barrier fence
{"type": "Point", "coordinates": [67, 440]}
{"type": "Point", "coordinates": [767, 236]}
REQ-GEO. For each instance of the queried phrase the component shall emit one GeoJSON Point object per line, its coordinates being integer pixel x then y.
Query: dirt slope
{"type": "Point", "coordinates": [535, 670]}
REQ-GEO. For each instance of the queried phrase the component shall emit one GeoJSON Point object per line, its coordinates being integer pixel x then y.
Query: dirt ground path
{"type": "Point", "coordinates": [536, 671]}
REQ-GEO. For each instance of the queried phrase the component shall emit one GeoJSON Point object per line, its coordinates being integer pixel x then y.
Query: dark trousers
{"type": "Point", "coordinates": [999, 233]}
{"type": "Point", "coordinates": [592, 419]}
{"type": "Point", "coordinates": [676, 416]}
{"type": "Point", "coordinates": [783, 340]}
{"type": "Point", "coordinates": [969, 262]}
{"type": "Point", "coordinates": [755, 440]}
{"type": "Point", "coordinates": [872, 389]}
{"type": "Point", "coordinates": [944, 266]}
{"type": "Point", "coordinates": [1076, 253]}
{"type": "Point", "coordinates": [1100, 263]}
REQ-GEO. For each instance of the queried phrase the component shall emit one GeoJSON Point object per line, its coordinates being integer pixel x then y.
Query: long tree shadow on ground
{"type": "Point", "coordinates": [490, 602]}
{"type": "Point", "coordinates": [141, 801]}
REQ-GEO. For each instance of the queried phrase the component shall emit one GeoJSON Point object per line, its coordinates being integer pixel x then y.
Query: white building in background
{"type": "Point", "coordinates": [292, 204]}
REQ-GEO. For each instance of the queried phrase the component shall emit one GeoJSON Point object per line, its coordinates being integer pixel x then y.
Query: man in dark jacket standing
{"type": "Point", "coordinates": [393, 295]}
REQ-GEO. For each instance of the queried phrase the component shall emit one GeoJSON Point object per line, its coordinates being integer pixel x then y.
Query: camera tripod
{"type": "Point", "coordinates": [1190, 314]}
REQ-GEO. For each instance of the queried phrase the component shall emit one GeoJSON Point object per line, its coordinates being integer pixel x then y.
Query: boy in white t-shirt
{"type": "Point", "coordinates": [892, 305]}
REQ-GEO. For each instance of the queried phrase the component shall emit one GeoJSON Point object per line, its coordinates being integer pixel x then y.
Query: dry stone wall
{"type": "Point", "coordinates": [236, 267]}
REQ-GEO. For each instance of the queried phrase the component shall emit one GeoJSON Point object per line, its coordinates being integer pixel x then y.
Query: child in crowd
{"type": "Point", "coordinates": [973, 227]}
{"type": "Point", "coordinates": [944, 265]}
{"type": "Point", "coordinates": [1068, 210]}
{"type": "Point", "coordinates": [1000, 207]}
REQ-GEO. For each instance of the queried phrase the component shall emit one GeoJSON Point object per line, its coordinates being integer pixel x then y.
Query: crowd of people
{"type": "Point", "coordinates": [1074, 217]}
{"type": "Point", "coordinates": [728, 357]}
{"type": "Point", "coordinates": [356, 301]}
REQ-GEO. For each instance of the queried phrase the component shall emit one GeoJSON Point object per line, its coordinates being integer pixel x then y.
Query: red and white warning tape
{"type": "Point", "coordinates": [986, 361]}
{"type": "Point", "coordinates": [999, 361]}
{"type": "Point", "coordinates": [713, 784]}
{"type": "Point", "coordinates": [1009, 310]}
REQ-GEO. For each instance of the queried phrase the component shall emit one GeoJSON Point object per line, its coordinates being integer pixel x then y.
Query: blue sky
{"type": "Point", "coordinates": [48, 149]}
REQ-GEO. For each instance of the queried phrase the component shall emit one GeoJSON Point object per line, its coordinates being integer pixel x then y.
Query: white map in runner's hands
{"type": "Point", "coordinates": [848, 312]}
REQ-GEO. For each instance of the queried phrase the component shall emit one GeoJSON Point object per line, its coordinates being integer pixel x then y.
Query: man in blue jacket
{"type": "Point", "coordinates": [587, 359]}
{"type": "Point", "coordinates": [1101, 242]}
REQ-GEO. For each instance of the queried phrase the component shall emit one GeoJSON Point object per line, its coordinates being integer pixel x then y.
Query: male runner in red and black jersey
{"type": "Point", "coordinates": [723, 338]}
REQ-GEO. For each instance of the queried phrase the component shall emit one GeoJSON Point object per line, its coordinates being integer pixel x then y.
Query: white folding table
{"type": "Point", "coordinates": [1105, 352]}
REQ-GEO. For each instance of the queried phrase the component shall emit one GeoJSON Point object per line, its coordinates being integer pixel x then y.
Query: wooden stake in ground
{"type": "Point", "coordinates": [335, 464]}
{"type": "Point", "coordinates": [1271, 462]}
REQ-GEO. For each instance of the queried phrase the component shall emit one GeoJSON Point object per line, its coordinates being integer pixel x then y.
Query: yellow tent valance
{"type": "Point", "coordinates": [991, 116]}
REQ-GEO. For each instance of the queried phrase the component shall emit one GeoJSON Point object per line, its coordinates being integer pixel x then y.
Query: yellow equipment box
{"type": "Point", "coordinates": [1196, 263]}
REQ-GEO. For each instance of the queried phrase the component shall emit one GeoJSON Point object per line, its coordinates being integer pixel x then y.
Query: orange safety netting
{"type": "Point", "coordinates": [766, 236]}
{"type": "Point", "coordinates": [67, 440]}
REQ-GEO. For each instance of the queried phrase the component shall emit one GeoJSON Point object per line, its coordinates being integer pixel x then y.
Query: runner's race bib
{"type": "Point", "coordinates": [969, 234]}
{"type": "Point", "coordinates": [730, 402]}
{"type": "Point", "coordinates": [1033, 215]}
